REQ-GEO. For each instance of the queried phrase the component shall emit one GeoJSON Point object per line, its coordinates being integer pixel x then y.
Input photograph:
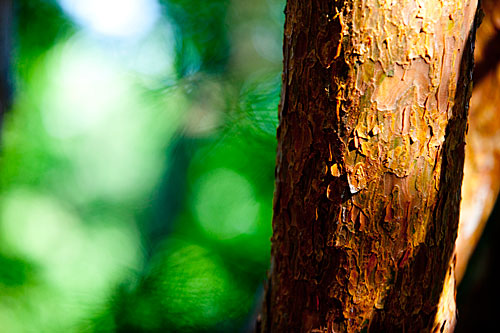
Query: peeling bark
{"type": "Point", "coordinates": [370, 157]}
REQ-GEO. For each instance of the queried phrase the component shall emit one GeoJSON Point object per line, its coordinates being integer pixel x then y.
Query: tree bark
{"type": "Point", "coordinates": [373, 115]}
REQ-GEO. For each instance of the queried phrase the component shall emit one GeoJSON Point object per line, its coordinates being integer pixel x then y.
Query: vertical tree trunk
{"type": "Point", "coordinates": [370, 161]}
{"type": "Point", "coordinates": [5, 49]}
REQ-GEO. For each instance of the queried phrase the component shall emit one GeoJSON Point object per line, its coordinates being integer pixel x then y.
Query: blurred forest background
{"type": "Point", "coordinates": [137, 165]}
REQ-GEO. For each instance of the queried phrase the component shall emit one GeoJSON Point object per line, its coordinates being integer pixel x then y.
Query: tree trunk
{"type": "Point", "coordinates": [5, 50]}
{"type": "Point", "coordinates": [370, 158]}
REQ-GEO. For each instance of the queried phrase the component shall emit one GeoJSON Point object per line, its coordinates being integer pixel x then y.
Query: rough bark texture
{"type": "Point", "coordinates": [370, 160]}
{"type": "Point", "coordinates": [481, 183]}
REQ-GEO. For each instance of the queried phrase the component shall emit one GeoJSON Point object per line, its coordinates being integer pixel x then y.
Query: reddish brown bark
{"type": "Point", "coordinates": [370, 160]}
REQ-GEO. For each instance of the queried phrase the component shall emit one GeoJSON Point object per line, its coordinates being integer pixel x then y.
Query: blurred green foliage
{"type": "Point", "coordinates": [137, 173]}
{"type": "Point", "coordinates": [202, 39]}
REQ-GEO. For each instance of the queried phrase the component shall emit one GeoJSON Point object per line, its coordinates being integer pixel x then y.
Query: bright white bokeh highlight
{"type": "Point", "coordinates": [96, 117]}
{"type": "Point", "coordinates": [114, 18]}
{"type": "Point", "coordinates": [84, 89]}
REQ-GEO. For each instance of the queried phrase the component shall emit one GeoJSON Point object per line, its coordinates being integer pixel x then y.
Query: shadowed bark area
{"type": "Point", "coordinates": [373, 115]}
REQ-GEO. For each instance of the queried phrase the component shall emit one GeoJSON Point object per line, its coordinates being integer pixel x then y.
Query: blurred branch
{"type": "Point", "coordinates": [5, 49]}
{"type": "Point", "coordinates": [481, 183]}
